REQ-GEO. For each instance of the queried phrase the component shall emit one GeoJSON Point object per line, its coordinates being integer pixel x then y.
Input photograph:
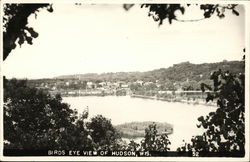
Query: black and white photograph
{"type": "Point", "coordinates": [145, 80]}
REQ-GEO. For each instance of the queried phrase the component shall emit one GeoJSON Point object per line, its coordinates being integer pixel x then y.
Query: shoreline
{"type": "Point", "coordinates": [180, 100]}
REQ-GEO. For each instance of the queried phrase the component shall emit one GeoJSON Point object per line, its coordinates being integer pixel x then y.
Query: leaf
{"type": "Point", "coordinates": [127, 6]}
{"type": "Point", "coordinates": [207, 15]}
{"type": "Point", "coordinates": [235, 12]}
{"type": "Point", "coordinates": [211, 113]}
{"type": "Point", "coordinates": [21, 40]}
{"type": "Point", "coordinates": [201, 118]}
{"type": "Point", "coordinates": [210, 97]}
{"type": "Point", "coordinates": [182, 10]}
{"type": "Point", "coordinates": [32, 32]}
{"type": "Point", "coordinates": [203, 86]}
{"type": "Point", "coordinates": [50, 8]}
{"type": "Point", "coordinates": [29, 40]}
{"type": "Point", "coordinates": [221, 16]}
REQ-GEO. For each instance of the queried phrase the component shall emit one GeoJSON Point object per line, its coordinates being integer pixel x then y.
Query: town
{"type": "Point", "coordinates": [180, 82]}
{"type": "Point", "coordinates": [177, 92]}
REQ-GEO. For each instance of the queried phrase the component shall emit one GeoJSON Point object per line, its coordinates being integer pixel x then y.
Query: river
{"type": "Point", "coordinates": [124, 109]}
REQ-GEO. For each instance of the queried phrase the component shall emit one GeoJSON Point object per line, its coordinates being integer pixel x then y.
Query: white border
{"type": "Point", "coordinates": [246, 3]}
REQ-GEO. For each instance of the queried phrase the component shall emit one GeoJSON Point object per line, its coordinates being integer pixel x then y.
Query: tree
{"type": "Point", "coordinates": [103, 133]}
{"type": "Point", "coordinates": [160, 12]}
{"type": "Point", "coordinates": [190, 85]}
{"type": "Point", "coordinates": [15, 25]}
{"type": "Point", "coordinates": [133, 146]}
{"type": "Point", "coordinates": [153, 141]}
{"type": "Point", "coordinates": [33, 119]}
{"type": "Point", "coordinates": [135, 87]}
{"type": "Point", "coordinates": [150, 86]}
{"type": "Point", "coordinates": [224, 128]}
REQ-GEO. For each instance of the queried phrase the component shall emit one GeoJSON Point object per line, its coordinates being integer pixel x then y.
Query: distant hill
{"type": "Point", "coordinates": [137, 129]}
{"type": "Point", "coordinates": [197, 72]}
{"type": "Point", "coordinates": [178, 72]}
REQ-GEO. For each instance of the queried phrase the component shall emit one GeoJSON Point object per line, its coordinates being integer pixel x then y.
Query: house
{"type": "Point", "coordinates": [148, 83]}
{"type": "Point", "coordinates": [124, 86]}
{"type": "Point", "coordinates": [102, 84]}
{"type": "Point", "coordinates": [139, 82]}
{"type": "Point", "coordinates": [91, 85]}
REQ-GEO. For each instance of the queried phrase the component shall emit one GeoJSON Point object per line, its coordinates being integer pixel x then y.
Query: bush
{"type": "Point", "coordinates": [33, 119]}
{"type": "Point", "coordinates": [225, 128]}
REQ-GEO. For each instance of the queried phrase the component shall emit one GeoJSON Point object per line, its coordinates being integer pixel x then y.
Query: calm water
{"type": "Point", "coordinates": [124, 109]}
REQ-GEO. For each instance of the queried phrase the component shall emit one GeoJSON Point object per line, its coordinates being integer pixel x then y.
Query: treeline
{"type": "Point", "coordinates": [175, 73]}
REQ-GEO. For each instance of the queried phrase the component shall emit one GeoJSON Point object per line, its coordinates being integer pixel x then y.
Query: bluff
{"type": "Point", "coordinates": [178, 72]}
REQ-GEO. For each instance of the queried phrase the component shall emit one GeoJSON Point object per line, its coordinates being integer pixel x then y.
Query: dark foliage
{"type": "Point", "coordinates": [15, 23]}
{"type": "Point", "coordinates": [160, 12]}
{"type": "Point", "coordinates": [153, 141]}
{"type": "Point", "coordinates": [224, 128]}
{"type": "Point", "coordinates": [133, 146]}
{"type": "Point", "coordinates": [103, 133]}
{"type": "Point", "coordinates": [35, 120]}
{"type": "Point", "coordinates": [217, 9]}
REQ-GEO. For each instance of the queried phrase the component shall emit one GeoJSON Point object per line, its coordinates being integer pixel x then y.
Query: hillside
{"type": "Point", "coordinates": [178, 72]}
{"type": "Point", "coordinates": [197, 72]}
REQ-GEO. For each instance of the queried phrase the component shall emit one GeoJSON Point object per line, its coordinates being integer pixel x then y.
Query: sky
{"type": "Point", "coordinates": [106, 38]}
